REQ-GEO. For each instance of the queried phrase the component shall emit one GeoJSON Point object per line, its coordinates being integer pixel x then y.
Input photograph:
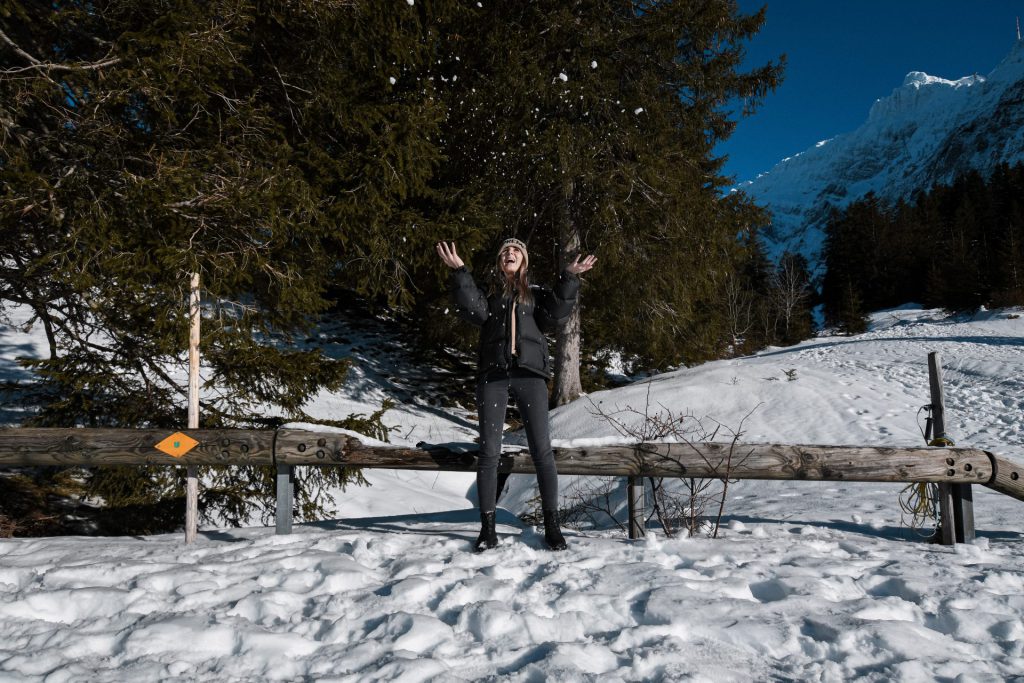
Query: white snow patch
{"type": "Point", "coordinates": [808, 581]}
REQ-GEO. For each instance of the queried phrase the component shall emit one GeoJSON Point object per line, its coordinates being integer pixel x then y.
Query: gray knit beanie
{"type": "Point", "coordinates": [518, 244]}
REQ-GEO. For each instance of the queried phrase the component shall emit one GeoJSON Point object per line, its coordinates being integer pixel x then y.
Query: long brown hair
{"type": "Point", "coordinates": [518, 286]}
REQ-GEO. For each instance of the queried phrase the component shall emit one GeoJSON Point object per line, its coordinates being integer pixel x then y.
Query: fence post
{"type": "Point", "coordinates": [285, 498]}
{"type": "Point", "coordinates": [191, 471]}
{"type": "Point", "coordinates": [956, 501]}
{"type": "Point", "coordinates": [635, 494]}
{"type": "Point", "coordinates": [963, 510]}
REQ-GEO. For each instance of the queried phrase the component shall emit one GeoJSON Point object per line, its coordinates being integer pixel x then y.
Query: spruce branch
{"type": "Point", "coordinates": [35, 64]}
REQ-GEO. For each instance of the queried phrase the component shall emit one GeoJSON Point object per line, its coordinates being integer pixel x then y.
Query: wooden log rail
{"type": "Point", "coordinates": [286, 448]}
{"type": "Point", "coordinates": [91, 447]}
{"type": "Point", "coordinates": [692, 460]}
{"type": "Point", "coordinates": [1008, 477]}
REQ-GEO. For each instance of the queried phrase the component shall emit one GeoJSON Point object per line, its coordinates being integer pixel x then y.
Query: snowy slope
{"type": "Point", "coordinates": [866, 389]}
{"type": "Point", "coordinates": [810, 580]}
{"type": "Point", "coordinates": [929, 130]}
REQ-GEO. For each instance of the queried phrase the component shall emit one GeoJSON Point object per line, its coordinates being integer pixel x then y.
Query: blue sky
{"type": "Point", "coordinates": [845, 54]}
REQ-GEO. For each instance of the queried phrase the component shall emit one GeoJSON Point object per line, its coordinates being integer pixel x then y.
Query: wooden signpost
{"type": "Point", "coordinates": [956, 500]}
{"type": "Point", "coordinates": [192, 471]}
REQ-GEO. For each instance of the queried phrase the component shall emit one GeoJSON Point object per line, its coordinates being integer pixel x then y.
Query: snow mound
{"type": "Point", "coordinates": [404, 599]}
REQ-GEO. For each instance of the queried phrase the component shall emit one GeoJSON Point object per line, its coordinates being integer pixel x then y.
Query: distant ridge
{"type": "Point", "coordinates": [926, 132]}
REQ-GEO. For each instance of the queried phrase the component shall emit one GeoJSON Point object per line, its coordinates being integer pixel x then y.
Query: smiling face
{"type": "Point", "coordinates": [510, 260]}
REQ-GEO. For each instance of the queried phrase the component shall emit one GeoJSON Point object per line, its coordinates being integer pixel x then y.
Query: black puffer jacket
{"type": "Point", "coordinates": [493, 314]}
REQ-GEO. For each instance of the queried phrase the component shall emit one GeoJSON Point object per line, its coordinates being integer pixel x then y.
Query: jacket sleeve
{"type": "Point", "coordinates": [470, 302]}
{"type": "Point", "coordinates": [553, 307]}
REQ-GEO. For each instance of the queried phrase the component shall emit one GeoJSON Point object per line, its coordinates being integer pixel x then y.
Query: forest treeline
{"type": "Point", "coordinates": [300, 153]}
{"type": "Point", "coordinates": [957, 246]}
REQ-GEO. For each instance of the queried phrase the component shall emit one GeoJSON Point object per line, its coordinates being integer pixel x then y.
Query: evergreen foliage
{"type": "Point", "coordinates": [589, 127]}
{"type": "Point", "coordinates": [143, 142]}
{"type": "Point", "coordinates": [291, 151]}
{"type": "Point", "coordinates": [955, 247]}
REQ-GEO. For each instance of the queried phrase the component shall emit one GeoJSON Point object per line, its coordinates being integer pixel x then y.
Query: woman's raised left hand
{"type": "Point", "coordinates": [578, 266]}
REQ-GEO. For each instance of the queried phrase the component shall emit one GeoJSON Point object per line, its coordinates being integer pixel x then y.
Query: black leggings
{"type": "Point", "coordinates": [531, 394]}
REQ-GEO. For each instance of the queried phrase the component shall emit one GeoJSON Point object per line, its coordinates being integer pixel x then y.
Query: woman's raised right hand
{"type": "Point", "coordinates": [447, 253]}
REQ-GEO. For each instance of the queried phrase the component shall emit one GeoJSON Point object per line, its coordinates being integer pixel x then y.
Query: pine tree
{"type": "Point", "coordinates": [1002, 223]}
{"type": "Point", "coordinates": [260, 144]}
{"type": "Point", "coordinates": [852, 316]}
{"type": "Point", "coordinates": [746, 298]}
{"type": "Point", "coordinates": [955, 247]}
{"type": "Point", "coordinates": [291, 152]}
{"type": "Point", "coordinates": [589, 127]}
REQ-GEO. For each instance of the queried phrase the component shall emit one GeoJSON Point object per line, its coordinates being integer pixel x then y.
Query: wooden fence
{"type": "Point", "coordinates": [287, 448]}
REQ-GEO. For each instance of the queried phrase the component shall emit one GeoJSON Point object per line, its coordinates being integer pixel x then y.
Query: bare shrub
{"type": "Point", "coordinates": [694, 507]}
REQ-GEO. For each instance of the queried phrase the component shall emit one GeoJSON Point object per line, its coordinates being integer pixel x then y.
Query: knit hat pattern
{"type": "Point", "coordinates": [518, 244]}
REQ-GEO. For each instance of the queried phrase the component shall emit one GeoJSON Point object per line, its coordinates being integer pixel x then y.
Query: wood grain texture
{"type": "Point", "coordinates": [1009, 477]}
{"type": "Point", "coordinates": [301, 447]}
{"type": "Point", "coordinates": [88, 447]}
{"type": "Point", "coordinates": [744, 461]}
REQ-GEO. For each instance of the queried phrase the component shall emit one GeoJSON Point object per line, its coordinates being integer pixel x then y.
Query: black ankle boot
{"type": "Point", "coordinates": [552, 534]}
{"type": "Point", "coordinates": [488, 536]}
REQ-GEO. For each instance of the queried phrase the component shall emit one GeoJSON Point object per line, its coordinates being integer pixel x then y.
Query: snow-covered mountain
{"type": "Point", "coordinates": [929, 130]}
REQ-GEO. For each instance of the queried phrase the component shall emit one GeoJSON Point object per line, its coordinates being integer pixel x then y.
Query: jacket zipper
{"type": "Point", "coordinates": [508, 335]}
{"type": "Point", "coordinates": [517, 349]}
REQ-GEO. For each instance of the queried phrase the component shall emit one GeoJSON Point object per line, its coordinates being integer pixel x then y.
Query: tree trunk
{"type": "Point", "coordinates": [51, 337]}
{"type": "Point", "coordinates": [567, 362]}
{"type": "Point", "coordinates": [567, 350]}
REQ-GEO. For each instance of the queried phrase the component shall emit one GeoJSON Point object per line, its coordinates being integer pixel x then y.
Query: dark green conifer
{"type": "Point", "coordinates": [589, 126]}
{"type": "Point", "coordinates": [955, 247]}
{"type": "Point", "coordinates": [260, 144]}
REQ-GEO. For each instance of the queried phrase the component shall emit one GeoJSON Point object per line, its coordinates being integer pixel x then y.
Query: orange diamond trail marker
{"type": "Point", "coordinates": [177, 444]}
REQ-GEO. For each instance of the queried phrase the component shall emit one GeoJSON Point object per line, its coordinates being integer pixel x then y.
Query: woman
{"type": "Point", "coordinates": [513, 359]}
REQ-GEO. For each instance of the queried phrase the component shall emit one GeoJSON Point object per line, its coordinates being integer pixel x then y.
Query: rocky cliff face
{"type": "Point", "coordinates": [927, 131]}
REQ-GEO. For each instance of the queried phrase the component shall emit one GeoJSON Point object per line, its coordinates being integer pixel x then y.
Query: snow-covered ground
{"type": "Point", "coordinates": [809, 580]}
